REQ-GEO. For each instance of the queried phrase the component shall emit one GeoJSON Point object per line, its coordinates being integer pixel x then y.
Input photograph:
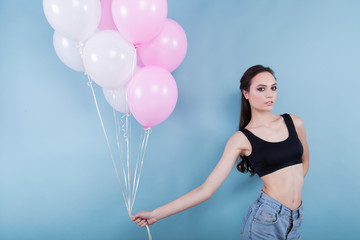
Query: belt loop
{"type": "Point", "coordinates": [281, 209]}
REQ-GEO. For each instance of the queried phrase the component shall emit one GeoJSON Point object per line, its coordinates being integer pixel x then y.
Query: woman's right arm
{"type": "Point", "coordinates": [233, 149]}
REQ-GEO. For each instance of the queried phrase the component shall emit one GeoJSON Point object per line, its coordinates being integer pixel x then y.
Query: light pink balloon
{"type": "Point", "coordinates": [152, 95]}
{"type": "Point", "coordinates": [167, 49]}
{"type": "Point", "coordinates": [106, 21]}
{"type": "Point", "coordinates": [139, 21]}
{"type": "Point", "coordinates": [139, 62]}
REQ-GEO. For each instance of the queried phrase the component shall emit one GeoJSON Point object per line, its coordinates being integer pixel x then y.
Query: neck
{"type": "Point", "coordinates": [262, 118]}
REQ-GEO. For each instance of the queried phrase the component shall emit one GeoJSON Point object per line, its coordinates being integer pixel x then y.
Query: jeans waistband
{"type": "Point", "coordinates": [281, 208]}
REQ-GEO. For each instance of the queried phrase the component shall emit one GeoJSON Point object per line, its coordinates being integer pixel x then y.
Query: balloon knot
{"type": "Point", "coordinates": [136, 45]}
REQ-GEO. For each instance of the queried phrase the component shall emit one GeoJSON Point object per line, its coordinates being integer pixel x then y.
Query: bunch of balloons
{"type": "Point", "coordinates": [107, 39]}
{"type": "Point", "coordinates": [129, 48]}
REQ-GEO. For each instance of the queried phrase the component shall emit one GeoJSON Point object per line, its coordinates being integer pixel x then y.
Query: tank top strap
{"type": "Point", "coordinates": [290, 124]}
{"type": "Point", "coordinates": [249, 135]}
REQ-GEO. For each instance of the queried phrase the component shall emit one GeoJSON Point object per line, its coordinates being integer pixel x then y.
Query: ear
{"type": "Point", "coordinates": [245, 94]}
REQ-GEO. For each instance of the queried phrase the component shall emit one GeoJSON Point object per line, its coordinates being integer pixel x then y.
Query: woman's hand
{"type": "Point", "coordinates": [144, 218]}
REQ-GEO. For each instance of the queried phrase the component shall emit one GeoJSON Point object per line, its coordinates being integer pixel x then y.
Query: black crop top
{"type": "Point", "coordinates": [267, 157]}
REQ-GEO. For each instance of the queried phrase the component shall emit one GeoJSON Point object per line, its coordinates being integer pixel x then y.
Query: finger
{"type": "Point", "coordinates": [135, 216]}
{"type": "Point", "coordinates": [144, 224]}
{"type": "Point", "coordinates": [137, 220]}
{"type": "Point", "coordinates": [141, 222]}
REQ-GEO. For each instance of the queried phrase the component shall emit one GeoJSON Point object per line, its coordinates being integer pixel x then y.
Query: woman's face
{"type": "Point", "coordinates": [262, 90]}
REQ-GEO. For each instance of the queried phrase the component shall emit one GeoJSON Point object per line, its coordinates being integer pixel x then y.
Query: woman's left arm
{"type": "Point", "coordinates": [300, 129]}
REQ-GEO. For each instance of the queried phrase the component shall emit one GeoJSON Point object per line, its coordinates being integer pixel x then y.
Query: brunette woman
{"type": "Point", "coordinates": [272, 146]}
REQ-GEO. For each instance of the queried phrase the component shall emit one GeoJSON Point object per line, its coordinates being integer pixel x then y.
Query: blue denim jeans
{"type": "Point", "coordinates": [267, 218]}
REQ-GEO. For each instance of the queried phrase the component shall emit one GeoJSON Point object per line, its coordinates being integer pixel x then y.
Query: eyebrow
{"type": "Point", "coordinates": [265, 85]}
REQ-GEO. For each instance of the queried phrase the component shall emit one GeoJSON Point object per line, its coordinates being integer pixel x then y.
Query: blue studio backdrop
{"type": "Point", "coordinates": [56, 176]}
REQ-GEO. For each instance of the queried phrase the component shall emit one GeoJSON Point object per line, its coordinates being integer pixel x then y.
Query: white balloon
{"type": "Point", "coordinates": [68, 52]}
{"type": "Point", "coordinates": [76, 19]}
{"type": "Point", "coordinates": [117, 99]}
{"type": "Point", "coordinates": [109, 59]}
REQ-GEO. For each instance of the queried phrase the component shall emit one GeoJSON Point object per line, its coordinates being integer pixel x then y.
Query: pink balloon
{"type": "Point", "coordinates": [139, 62]}
{"type": "Point", "coordinates": [167, 49]}
{"type": "Point", "coordinates": [139, 20]}
{"type": "Point", "coordinates": [106, 21]}
{"type": "Point", "coordinates": [152, 95]}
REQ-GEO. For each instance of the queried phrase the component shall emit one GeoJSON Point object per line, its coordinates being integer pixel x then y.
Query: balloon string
{"type": "Point", "coordinates": [124, 127]}
{"type": "Point", "coordinates": [118, 132]}
{"type": "Point", "coordinates": [141, 158]}
{"type": "Point", "coordinates": [136, 170]}
{"type": "Point", "coordinates": [106, 137]}
{"type": "Point", "coordinates": [142, 154]}
{"type": "Point", "coordinates": [122, 164]}
{"type": "Point", "coordinates": [127, 138]}
{"type": "Point", "coordinates": [148, 230]}
{"type": "Point", "coordinates": [128, 129]}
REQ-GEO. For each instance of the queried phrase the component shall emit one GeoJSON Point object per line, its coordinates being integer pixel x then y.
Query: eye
{"type": "Point", "coordinates": [273, 88]}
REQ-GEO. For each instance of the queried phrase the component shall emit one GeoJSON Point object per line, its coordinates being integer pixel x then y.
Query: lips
{"type": "Point", "coordinates": [269, 102]}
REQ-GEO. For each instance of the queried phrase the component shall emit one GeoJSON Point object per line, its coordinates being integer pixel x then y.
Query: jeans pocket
{"type": "Point", "coordinates": [266, 215]}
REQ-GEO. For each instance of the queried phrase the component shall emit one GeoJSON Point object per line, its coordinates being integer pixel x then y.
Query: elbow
{"type": "Point", "coordinates": [208, 196]}
{"type": "Point", "coordinates": [207, 193]}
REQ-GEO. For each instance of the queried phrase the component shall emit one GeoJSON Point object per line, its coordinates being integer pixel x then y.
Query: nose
{"type": "Point", "coordinates": [269, 93]}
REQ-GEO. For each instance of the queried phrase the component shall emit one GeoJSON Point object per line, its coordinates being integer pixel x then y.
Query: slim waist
{"type": "Point", "coordinates": [281, 208]}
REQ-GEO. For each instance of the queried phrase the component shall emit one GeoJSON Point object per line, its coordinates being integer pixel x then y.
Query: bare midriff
{"type": "Point", "coordinates": [285, 185]}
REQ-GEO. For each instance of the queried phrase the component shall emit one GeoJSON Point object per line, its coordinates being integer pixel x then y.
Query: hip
{"type": "Point", "coordinates": [267, 218]}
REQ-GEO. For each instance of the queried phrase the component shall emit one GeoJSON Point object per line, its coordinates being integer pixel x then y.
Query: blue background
{"type": "Point", "coordinates": [56, 175]}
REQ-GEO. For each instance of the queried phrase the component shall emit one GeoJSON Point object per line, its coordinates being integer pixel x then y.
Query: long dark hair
{"type": "Point", "coordinates": [244, 165]}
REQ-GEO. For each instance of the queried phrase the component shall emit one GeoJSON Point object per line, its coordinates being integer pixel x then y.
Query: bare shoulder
{"type": "Point", "coordinates": [298, 122]}
{"type": "Point", "coordinates": [238, 141]}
